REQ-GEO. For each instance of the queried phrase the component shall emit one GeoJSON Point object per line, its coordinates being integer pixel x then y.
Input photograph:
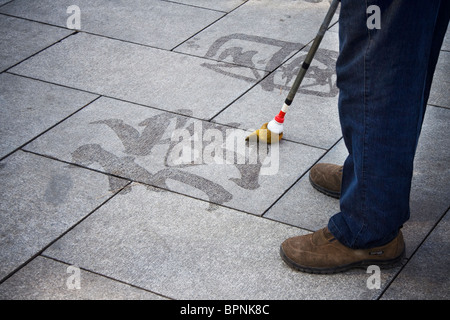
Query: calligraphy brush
{"type": "Point", "coordinates": [273, 131]}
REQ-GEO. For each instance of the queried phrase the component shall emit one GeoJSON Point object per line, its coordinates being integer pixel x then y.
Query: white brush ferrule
{"type": "Point", "coordinates": [275, 127]}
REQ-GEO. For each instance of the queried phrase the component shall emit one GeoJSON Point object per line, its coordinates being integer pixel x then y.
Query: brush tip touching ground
{"type": "Point", "coordinates": [264, 135]}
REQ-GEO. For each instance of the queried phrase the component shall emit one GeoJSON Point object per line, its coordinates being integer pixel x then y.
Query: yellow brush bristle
{"type": "Point", "coordinates": [265, 135]}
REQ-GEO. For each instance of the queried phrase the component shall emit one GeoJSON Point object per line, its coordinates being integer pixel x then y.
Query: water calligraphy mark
{"type": "Point", "coordinates": [263, 54]}
{"type": "Point", "coordinates": [142, 150]}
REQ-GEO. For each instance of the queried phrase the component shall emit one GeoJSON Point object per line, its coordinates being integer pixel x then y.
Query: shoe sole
{"type": "Point", "coordinates": [383, 264]}
{"type": "Point", "coordinates": [327, 192]}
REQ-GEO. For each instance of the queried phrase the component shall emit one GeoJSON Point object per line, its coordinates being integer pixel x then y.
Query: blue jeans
{"type": "Point", "coordinates": [384, 77]}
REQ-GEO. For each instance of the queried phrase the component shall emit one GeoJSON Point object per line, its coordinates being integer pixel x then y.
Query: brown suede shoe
{"type": "Point", "coordinates": [327, 178]}
{"type": "Point", "coordinates": [320, 252]}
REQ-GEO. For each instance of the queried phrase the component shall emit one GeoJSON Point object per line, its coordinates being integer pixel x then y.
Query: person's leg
{"type": "Point", "coordinates": [384, 76]}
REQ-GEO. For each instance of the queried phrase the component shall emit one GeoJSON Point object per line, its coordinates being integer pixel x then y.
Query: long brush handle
{"type": "Point", "coordinates": [311, 53]}
{"type": "Point", "coordinates": [276, 125]}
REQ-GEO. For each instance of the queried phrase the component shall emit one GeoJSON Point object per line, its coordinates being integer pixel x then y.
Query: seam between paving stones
{"type": "Point", "coordinates": [407, 260]}
{"type": "Point", "coordinates": [296, 181]}
{"type": "Point", "coordinates": [108, 277]}
{"type": "Point", "coordinates": [270, 72]}
{"type": "Point", "coordinates": [48, 129]}
{"type": "Point", "coordinates": [36, 53]}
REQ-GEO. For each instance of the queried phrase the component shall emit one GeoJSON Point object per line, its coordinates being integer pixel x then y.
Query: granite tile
{"type": "Point", "coordinates": [150, 22]}
{"type": "Point", "coordinates": [426, 276]}
{"type": "Point", "coordinates": [29, 107]}
{"type": "Point", "coordinates": [19, 39]}
{"type": "Point", "coordinates": [145, 145]}
{"type": "Point", "coordinates": [40, 200]}
{"type": "Point", "coordinates": [47, 279]}
{"type": "Point", "coordinates": [135, 73]}
{"type": "Point", "coordinates": [173, 246]}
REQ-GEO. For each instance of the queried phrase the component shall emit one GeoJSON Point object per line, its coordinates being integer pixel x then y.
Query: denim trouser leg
{"type": "Point", "coordinates": [384, 76]}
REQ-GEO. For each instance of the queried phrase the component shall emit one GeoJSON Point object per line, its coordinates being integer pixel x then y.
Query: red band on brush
{"type": "Point", "coordinates": [280, 117]}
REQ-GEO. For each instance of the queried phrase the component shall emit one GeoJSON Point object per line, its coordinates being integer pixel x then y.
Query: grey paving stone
{"type": "Point", "coordinates": [135, 73]}
{"type": "Point", "coordinates": [173, 246]}
{"type": "Point", "coordinates": [305, 207]}
{"type": "Point", "coordinates": [446, 43]}
{"type": "Point", "coordinates": [426, 275]}
{"type": "Point", "coordinates": [29, 107]}
{"type": "Point", "coordinates": [142, 144]}
{"type": "Point", "coordinates": [46, 279]}
{"type": "Point", "coordinates": [223, 5]}
{"type": "Point", "coordinates": [40, 200]}
{"type": "Point", "coordinates": [150, 22]}
{"type": "Point", "coordinates": [20, 39]}
{"type": "Point", "coordinates": [313, 117]}
{"type": "Point", "coordinates": [259, 34]}
{"type": "Point", "coordinates": [441, 82]}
